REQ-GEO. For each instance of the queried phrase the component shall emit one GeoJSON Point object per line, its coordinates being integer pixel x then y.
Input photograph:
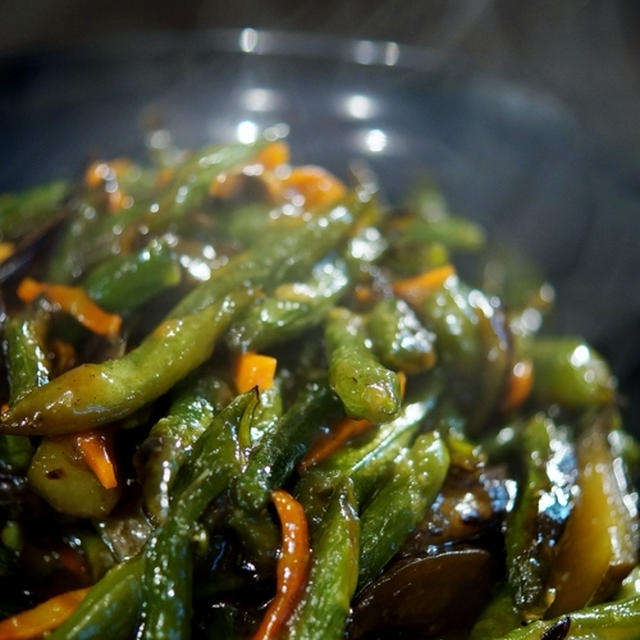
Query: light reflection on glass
{"type": "Point", "coordinates": [391, 54]}
{"type": "Point", "coordinates": [364, 52]}
{"type": "Point", "coordinates": [375, 140]}
{"type": "Point", "coordinates": [247, 132]}
{"type": "Point", "coordinates": [261, 99]}
{"type": "Point", "coordinates": [359, 106]}
{"type": "Point", "coordinates": [248, 40]}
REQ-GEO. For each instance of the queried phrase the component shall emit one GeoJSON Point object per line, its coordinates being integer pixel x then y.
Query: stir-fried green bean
{"type": "Point", "coordinates": [325, 434]}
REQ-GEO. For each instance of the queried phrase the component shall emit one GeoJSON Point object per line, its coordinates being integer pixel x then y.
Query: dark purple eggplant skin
{"type": "Point", "coordinates": [421, 595]}
{"type": "Point", "coordinates": [470, 508]}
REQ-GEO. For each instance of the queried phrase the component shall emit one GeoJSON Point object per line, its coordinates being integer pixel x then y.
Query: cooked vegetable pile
{"type": "Point", "coordinates": [244, 400]}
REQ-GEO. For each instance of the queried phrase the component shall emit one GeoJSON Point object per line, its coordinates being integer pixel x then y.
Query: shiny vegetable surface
{"type": "Point", "coordinates": [241, 398]}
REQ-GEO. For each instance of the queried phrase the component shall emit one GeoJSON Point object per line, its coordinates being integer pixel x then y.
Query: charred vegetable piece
{"type": "Point", "coordinates": [326, 600]}
{"type": "Point", "coordinates": [293, 308]}
{"type": "Point", "coordinates": [367, 388]}
{"type": "Point", "coordinates": [400, 504]}
{"type": "Point", "coordinates": [470, 508]}
{"type": "Point", "coordinates": [171, 438]}
{"type": "Point", "coordinates": [429, 595]}
{"type": "Point", "coordinates": [95, 394]}
{"type": "Point", "coordinates": [125, 282]}
{"type": "Point", "coordinates": [570, 373]}
{"type": "Point", "coordinates": [399, 339]}
{"type": "Point", "coordinates": [600, 544]}
{"type": "Point", "coordinates": [545, 502]}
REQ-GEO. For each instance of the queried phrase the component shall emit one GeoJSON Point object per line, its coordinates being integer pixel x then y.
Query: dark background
{"type": "Point", "coordinates": [585, 52]}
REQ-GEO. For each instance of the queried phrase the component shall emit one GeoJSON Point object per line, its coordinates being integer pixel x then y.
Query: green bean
{"type": "Point", "coordinates": [401, 503]}
{"type": "Point", "coordinates": [171, 438]}
{"type": "Point", "coordinates": [251, 222]}
{"type": "Point", "coordinates": [91, 237]}
{"type": "Point", "coordinates": [25, 350]}
{"type": "Point", "coordinates": [611, 621]}
{"type": "Point", "coordinates": [326, 600]}
{"type": "Point", "coordinates": [293, 308]}
{"type": "Point", "coordinates": [275, 457]}
{"type": "Point", "coordinates": [473, 344]}
{"type": "Point", "coordinates": [168, 573]}
{"type": "Point", "coordinates": [124, 282]}
{"type": "Point", "coordinates": [497, 618]}
{"type": "Point", "coordinates": [265, 418]}
{"type": "Point", "coordinates": [453, 233]}
{"type": "Point", "coordinates": [370, 462]}
{"type": "Point", "coordinates": [28, 367]}
{"type": "Point", "coordinates": [111, 607]}
{"type": "Point", "coordinates": [271, 263]}
{"type": "Point", "coordinates": [23, 212]}
{"type": "Point", "coordinates": [95, 394]}
{"type": "Point", "coordinates": [367, 388]}
{"type": "Point", "coordinates": [570, 373]}
{"type": "Point", "coordinates": [544, 504]}
{"type": "Point", "coordinates": [398, 337]}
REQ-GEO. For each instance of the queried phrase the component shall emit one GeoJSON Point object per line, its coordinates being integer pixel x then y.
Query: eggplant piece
{"type": "Point", "coordinates": [600, 543]}
{"type": "Point", "coordinates": [471, 506]}
{"type": "Point", "coordinates": [427, 595]}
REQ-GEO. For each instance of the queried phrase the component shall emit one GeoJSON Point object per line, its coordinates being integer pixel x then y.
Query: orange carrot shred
{"type": "Point", "coordinates": [73, 300]}
{"type": "Point", "coordinates": [417, 288]}
{"type": "Point", "coordinates": [254, 369]}
{"type": "Point", "coordinates": [42, 618]}
{"type": "Point", "coordinates": [402, 379]}
{"type": "Point", "coordinates": [226, 185]}
{"type": "Point", "coordinates": [293, 565]}
{"type": "Point", "coordinates": [6, 250]}
{"type": "Point", "coordinates": [274, 154]}
{"type": "Point", "coordinates": [97, 451]}
{"type": "Point", "coordinates": [64, 356]}
{"type": "Point", "coordinates": [519, 384]}
{"type": "Point", "coordinates": [328, 444]}
{"type": "Point", "coordinates": [317, 185]}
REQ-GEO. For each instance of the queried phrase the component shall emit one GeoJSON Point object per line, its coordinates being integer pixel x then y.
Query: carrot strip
{"type": "Point", "coordinates": [328, 444]}
{"type": "Point", "coordinates": [64, 356]}
{"type": "Point", "coordinates": [45, 617]}
{"type": "Point", "coordinates": [97, 451]}
{"type": "Point", "coordinates": [6, 250]}
{"type": "Point", "coordinates": [317, 185]}
{"type": "Point", "coordinates": [226, 185]}
{"type": "Point", "coordinates": [73, 300]}
{"type": "Point", "coordinates": [402, 379]}
{"type": "Point", "coordinates": [253, 369]}
{"type": "Point", "coordinates": [273, 155]}
{"type": "Point", "coordinates": [417, 288]}
{"type": "Point", "coordinates": [293, 565]}
{"type": "Point", "coordinates": [519, 384]}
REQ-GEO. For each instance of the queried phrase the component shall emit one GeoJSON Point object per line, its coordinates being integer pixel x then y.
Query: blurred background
{"type": "Point", "coordinates": [585, 51]}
